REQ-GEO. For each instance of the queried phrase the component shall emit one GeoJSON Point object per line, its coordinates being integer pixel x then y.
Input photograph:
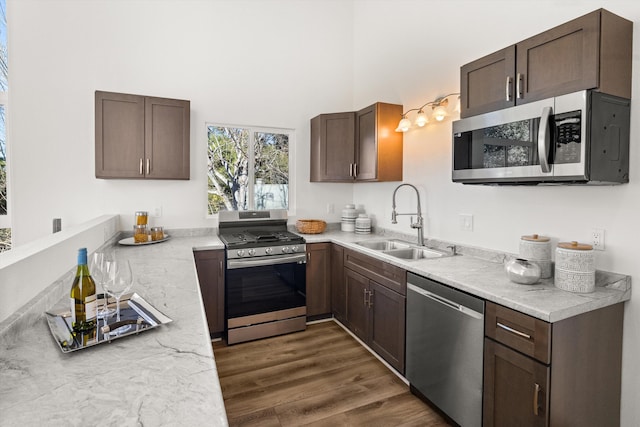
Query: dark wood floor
{"type": "Point", "coordinates": [321, 376]}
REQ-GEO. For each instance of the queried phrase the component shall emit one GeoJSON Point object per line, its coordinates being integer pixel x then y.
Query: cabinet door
{"type": "Point", "coordinates": [387, 325]}
{"type": "Point", "coordinates": [119, 139]}
{"type": "Point", "coordinates": [210, 268]}
{"type": "Point", "coordinates": [338, 288]}
{"type": "Point", "coordinates": [562, 60]}
{"type": "Point", "coordinates": [357, 303]}
{"type": "Point", "coordinates": [366, 144]}
{"type": "Point", "coordinates": [516, 389]}
{"type": "Point", "coordinates": [379, 147]}
{"type": "Point", "coordinates": [167, 132]}
{"type": "Point", "coordinates": [318, 279]}
{"type": "Point", "coordinates": [332, 147]}
{"type": "Point", "coordinates": [487, 84]}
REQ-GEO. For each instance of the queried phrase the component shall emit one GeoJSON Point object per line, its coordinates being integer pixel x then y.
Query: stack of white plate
{"type": "Point", "coordinates": [349, 215]}
{"type": "Point", "coordinates": [363, 224]}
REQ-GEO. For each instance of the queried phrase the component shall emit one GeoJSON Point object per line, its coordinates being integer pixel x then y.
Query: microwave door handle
{"type": "Point", "coordinates": [544, 140]}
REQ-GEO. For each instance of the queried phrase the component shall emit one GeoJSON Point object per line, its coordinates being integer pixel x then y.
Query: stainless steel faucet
{"type": "Point", "coordinates": [419, 223]}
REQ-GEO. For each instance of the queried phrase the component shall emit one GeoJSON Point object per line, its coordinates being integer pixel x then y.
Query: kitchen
{"type": "Point", "coordinates": [351, 55]}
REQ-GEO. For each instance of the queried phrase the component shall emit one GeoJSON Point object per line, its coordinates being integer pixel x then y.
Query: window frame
{"type": "Point", "coordinates": [5, 220]}
{"type": "Point", "coordinates": [252, 130]}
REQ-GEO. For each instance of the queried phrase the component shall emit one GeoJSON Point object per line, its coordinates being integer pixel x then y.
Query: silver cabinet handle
{"type": "Point", "coordinates": [544, 140]}
{"type": "Point", "coordinates": [148, 166]}
{"type": "Point", "coordinates": [370, 296]}
{"type": "Point", "coordinates": [365, 297]}
{"type": "Point", "coordinates": [355, 170]}
{"type": "Point", "coordinates": [513, 331]}
{"type": "Point", "coordinates": [350, 169]}
{"type": "Point", "coordinates": [141, 170]}
{"type": "Point", "coordinates": [508, 88]}
{"type": "Point", "coordinates": [519, 78]}
{"type": "Point", "coordinates": [536, 394]}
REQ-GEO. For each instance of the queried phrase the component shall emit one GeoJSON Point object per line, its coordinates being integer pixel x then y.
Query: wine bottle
{"type": "Point", "coordinates": [83, 296]}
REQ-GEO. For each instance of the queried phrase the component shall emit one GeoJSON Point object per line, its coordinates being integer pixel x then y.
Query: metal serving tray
{"type": "Point", "coordinates": [134, 310]}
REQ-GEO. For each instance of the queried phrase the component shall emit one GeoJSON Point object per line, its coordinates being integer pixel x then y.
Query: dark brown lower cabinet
{"type": "Point", "coordinates": [357, 309]}
{"type": "Point", "coordinates": [338, 288]}
{"type": "Point", "coordinates": [210, 267]}
{"type": "Point", "coordinates": [318, 280]}
{"type": "Point", "coordinates": [515, 388]}
{"type": "Point", "coordinates": [376, 315]}
{"type": "Point", "coordinates": [387, 324]}
{"type": "Point", "coordinates": [566, 373]}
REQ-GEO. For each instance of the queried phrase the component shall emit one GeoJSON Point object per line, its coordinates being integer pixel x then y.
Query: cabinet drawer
{"type": "Point", "coordinates": [388, 275]}
{"type": "Point", "coordinates": [519, 331]}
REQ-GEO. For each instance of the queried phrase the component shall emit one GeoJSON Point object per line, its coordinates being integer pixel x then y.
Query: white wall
{"type": "Point", "coordinates": [414, 59]}
{"type": "Point", "coordinates": [275, 63]}
{"type": "Point", "coordinates": [279, 63]}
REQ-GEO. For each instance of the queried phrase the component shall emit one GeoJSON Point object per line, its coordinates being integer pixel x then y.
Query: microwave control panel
{"type": "Point", "coordinates": [568, 130]}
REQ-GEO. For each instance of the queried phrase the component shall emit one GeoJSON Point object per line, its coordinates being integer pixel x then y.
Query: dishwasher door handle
{"type": "Point", "coordinates": [445, 302]}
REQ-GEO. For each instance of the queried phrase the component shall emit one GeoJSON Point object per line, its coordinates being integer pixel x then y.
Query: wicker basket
{"type": "Point", "coordinates": [310, 226]}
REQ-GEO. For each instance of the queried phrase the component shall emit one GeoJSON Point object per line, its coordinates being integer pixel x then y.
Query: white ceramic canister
{"type": "Point", "coordinates": [575, 267]}
{"type": "Point", "coordinates": [363, 224]}
{"type": "Point", "coordinates": [349, 215]}
{"type": "Point", "coordinates": [537, 249]}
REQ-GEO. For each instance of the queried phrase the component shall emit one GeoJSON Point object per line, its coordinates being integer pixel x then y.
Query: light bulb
{"type": "Point", "coordinates": [439, 113]}
{"type": "Point", "coordinates": [421, 118]}
{"type": "Point", "coordinates": [404, 125]}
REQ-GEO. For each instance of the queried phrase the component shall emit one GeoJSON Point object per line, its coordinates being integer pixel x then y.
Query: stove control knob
{"type": "Point", "coordinates": [268, 251]}
{"type": "Point", "coordinates": [252, 252]}
{"type": "Point", "coordinates": [240, 253]}
{"type": "Point", "coordinates": [294, 249]}
{"type": "Point", "coordinates": [285, 249]}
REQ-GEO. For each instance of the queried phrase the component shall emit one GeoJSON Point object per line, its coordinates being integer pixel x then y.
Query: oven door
{"type": "Point", "coordinates": [507, 146]}
{"type": "Point", "coordinates": [258, 288]}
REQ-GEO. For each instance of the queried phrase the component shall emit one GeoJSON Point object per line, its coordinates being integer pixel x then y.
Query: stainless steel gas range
{"type": "Point", "coordinates": [265, 279]}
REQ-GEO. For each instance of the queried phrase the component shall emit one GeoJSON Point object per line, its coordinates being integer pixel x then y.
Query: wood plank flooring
{"type": "Point", "coordinates": [318, 377]}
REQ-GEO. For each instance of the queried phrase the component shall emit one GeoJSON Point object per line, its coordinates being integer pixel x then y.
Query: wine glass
{"type": "Point", "coordinates": [98, 271]}
{"type": "Point", "coordinates": [118, 281]}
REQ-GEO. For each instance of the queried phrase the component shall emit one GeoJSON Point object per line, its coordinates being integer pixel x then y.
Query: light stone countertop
{"type": "Point", "coordinates": [167, 376]}
{"type": "Point", "coordinates": [163, 377]}
{"type": "Point", "coordinates": [481, 272]}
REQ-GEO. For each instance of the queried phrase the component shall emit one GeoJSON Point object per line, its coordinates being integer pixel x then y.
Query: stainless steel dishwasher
{"type": "Point", "coordinates": [445, 329]}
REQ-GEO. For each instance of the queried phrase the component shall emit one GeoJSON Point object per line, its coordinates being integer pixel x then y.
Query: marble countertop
{"type": "Point", "coordinates": [168, 376]}
{"type": "Point", "coordinates": [163, 377]}
{"type": "Point", "coordinates": [481, 272]}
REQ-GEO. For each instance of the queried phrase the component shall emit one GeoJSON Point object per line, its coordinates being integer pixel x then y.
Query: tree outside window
{"type": "Point", "coordinates": [248, 168]}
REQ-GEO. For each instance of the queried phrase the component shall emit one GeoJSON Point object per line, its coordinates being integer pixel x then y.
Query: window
{"type": "Point", "coordinates": [248, 168]}
{"type": "Point", "coordinates": [5, 230]}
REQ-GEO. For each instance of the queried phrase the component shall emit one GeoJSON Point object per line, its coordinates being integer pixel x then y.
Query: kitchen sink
{"type": "Point", "coordinates": [402, 249]}
{"type": "Point", "coordinates": [384, 245]}
{"type": "Point", "coordinates": [415, 253]}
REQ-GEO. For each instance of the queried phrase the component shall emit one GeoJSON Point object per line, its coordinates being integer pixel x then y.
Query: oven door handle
{"type": "Point", "coordinates": [270, 260]}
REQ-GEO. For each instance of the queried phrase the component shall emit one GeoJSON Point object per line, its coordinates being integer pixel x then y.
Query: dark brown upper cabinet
{"type": "Point", "coordinates": [590, 52]}
{"type": "Point", "coordinates": [357, 146]}
{"type": "Point", "coordinates": [141, 137]}
{"type": "Point", "coordinates": [332, 147]}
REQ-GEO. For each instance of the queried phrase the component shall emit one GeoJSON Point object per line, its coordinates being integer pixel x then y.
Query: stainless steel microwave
{"type": "Point", "coordinates": [582, 137]}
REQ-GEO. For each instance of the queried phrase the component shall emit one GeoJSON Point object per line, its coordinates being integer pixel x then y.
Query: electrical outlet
{"type": "Point", "coordinates": [597, 239]}
{"type": "Point", "coordinates": [157, 212]}
{"type": "Point", "coordinates": [330, 208]}
{"type": "Point", "coordinates": [466, 222]}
